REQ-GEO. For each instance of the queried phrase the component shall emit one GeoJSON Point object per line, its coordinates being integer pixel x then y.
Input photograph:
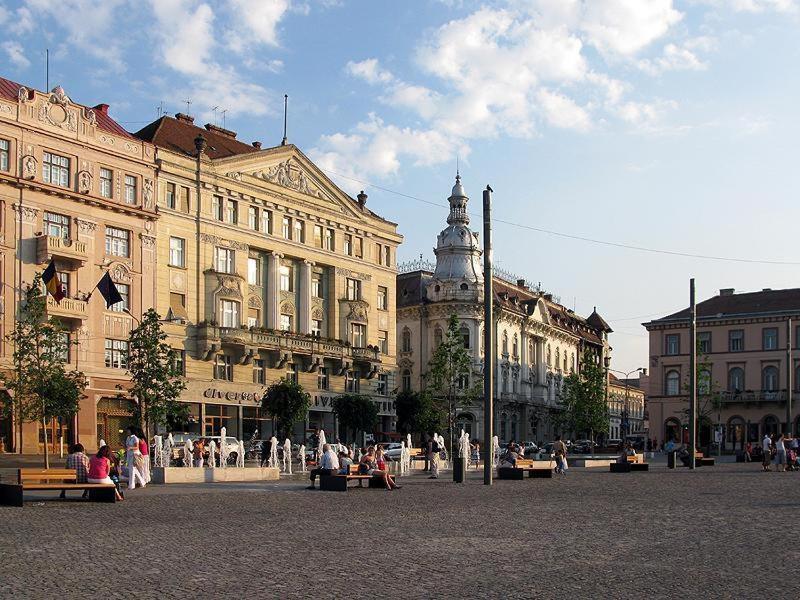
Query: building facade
{"type": "Point", "coordinates": [538, 341]}
{"type": "Point", "coordinates": [626, 408]}
{"type": "Point", "coordinates": [77, 188]}
{"type": "Point", "coordinates": [747, 375]}
{"type": "Point", "coordinates": [267, 270]}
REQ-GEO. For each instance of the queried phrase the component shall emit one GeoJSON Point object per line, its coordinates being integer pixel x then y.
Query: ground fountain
{"type": "Point", "coordinates": [287, 456]}
{"type": "Point", "coordinates": [240, 455]}
{"type": "Point", "coordinates": [187, 453]}
{"type": "Point", "coordinates": [158, 451]}
{"type": "Point", "coordinates": [322, 442]}
{"type": "Point", "coordinates": [212, 450]}
{"type": "Point", "coordinates": [224, 451]}
{"type": "Point", "coordinates": [302, 458]}
{"type": "Point", "coordinates": [273, 452]}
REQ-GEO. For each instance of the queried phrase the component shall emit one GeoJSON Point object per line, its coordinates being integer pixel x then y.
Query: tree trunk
{"type": "Point", "coordinates": [46, 451]}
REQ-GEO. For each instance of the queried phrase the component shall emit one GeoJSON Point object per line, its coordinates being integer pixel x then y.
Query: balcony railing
{"type": "Point", "coordinates": [67, 308]}
{"type": "Point", "coordinates": [754, 397]}
{"type": "Point", "coordinates": [48, 246]}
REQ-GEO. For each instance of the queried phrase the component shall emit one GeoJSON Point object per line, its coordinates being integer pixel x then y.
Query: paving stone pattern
{"type": "Point", "coordinates": [724, 532]}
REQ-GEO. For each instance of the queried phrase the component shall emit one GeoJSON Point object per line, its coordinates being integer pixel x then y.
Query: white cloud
{"type": "Point", "coordinates": [563, 112]}
{"type": "Point", "coordinates": [757, 6]}
{"type": "Point", "coordinates": [676, 57]}
{"type": "Point", "coordinates": [627, 26]}
{"type": "Point", "coordinates": [256, 21]}
{"type": "Point", "coordinates": [369, 70]}
{"type": "Point", "coordinates": [16, 54]}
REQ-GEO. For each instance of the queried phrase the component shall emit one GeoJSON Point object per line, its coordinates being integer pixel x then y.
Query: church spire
{"type": "Point", "coordinates": [458, 204]}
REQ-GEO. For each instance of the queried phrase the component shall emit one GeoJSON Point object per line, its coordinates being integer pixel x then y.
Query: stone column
{"type": "Point", "coordinates": [304, 299]}
{"type": "Point", "coordinates": [273, 289]}
{"type": "Point", "coordinates": [523, 363]}
{"type": "Point", "coordinates": [542, 375]}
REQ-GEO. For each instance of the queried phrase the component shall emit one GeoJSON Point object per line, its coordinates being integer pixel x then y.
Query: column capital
{"type": "Point", "coordinates": [276, 254]}
{"type": "Point", "coordinates": [309, 263]}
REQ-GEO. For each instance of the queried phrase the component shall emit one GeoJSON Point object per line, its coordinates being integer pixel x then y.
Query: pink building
{"type": "Point", "coordinates": [744, 386]}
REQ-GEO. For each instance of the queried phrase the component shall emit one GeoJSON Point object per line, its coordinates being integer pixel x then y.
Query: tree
{"type": "Point", "coordinates": [417, 412]}
{"type": "Point", "coordinates": [584, 399]}
{"type": "Point", "coordinates": [448, 378]}
{"type": "Point", "coordinates": [287, 403]}
{"type": "Point", "coordinates": [40, 388]}
{"type": "Point", "coordinates": [156, 381]}
{"type": "Point", "coordinates": [355, 412]}
{"type": "Point", "coordinates": [709, 396]}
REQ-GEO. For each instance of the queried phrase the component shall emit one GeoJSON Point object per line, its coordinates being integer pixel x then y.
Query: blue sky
{"type": "Point", "coordinates": [664, 124]}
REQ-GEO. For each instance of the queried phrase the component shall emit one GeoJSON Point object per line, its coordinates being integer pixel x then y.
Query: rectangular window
{"type": "Point", "coordinates": [4, 153]}
{"type": "Point", "coordinates": [769, 338]}
{"type": "Point", "coordinates": [316, 285]}
{"type": "Point", "coordinates": [266, 221]}
{"type": "Point", "coordinates": [353, 289]}
{"type": "Point", "coordinates": [378, 253]}
{"type": "Point", "coordinates": [253, 317]}
{"type": "Point", "coordinates": [348, 244]}
{"type": "Point", "coordinates": [286, 322]}
{"type": "Point", "coordinates": [322, 378]}
{"type": "Point", "coordinates": [177, 305]}
{"type": "Point", "coordinates": [184, 205]}
{"type": "Point", "coordinates": [383, 384]}
{"type": "Point", "coordinates": [291, 372]}
{"type": "Point", "coordinates": [125, 291]}
{"type": "Point", "coordinates": [316, 327]}
{"type": "Point", "coordinates": [259, 370]}
{"type": "Point", "coordinates": [330, 240]}
{"type": "Point", "coordinates": [177, 252]}
{"type": "Point", "coordinates": [216, 208]}
{"type": "Point", "coordinates": [106, 182]}
{"type": "Point", "coordinates": [233, 212]}
{"type": "Point", "coordinates": [352, 382]}
{"type": "Point", "coordinates": [223, 367]}
{"type": "Point", "coordinates": [252, 217]}
{"type": "Point", "coordinates": [318, 236]}
{"type": "Point", "coordinates": [704, 342]}
{"type": "Point", "coordinates": [130, 189]}
{"type": "Point", "coordinates": [358, 335]}
{"type": "Point", "coordinates": [286, 228]}
{"type": "Point", "coordinates": [117, 354]}
{"type": "Point", "coordinates": [736, 340]}
{"type": "Point", "coordinates": [56, 225]}
{"type": "Point", "coordinates": [358, 247]}
{"type": "Point", "coordinates": [387, 256]}
{"type": "Point", "coordinates": [55, 169]}
{"type": "Point", "coordinates": [253, 271]}
{"type": "Point", "coordinates": [225, 260]}
{"type": "Point", "coordinates": [64, 279]}
{"type": "Point", "coordinates": [383, 298]}
{"type": "Point", "coordinates": [118, 242]}
{"type": "Point", "coordinates": [229, 312]}
{"type": "Point", "coordinates": [673, 345]}
{"type": "Point", "coordinates": [179, 363]}
{"type": "Point", "coordinates": [170, 198]}
{"type": "Point", "coordinates": [383, 341]}
{"type": "Point", "coordinates": [286, 281]}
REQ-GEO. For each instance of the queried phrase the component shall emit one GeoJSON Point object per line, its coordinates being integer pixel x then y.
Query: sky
{"type": "Point", "coordinates": [665, 125]}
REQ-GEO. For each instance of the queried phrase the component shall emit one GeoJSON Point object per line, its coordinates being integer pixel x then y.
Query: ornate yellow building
{"type": "Point", "coordinates": [266, 269]}
{"type": "Point", "coordinates": [77, 188]}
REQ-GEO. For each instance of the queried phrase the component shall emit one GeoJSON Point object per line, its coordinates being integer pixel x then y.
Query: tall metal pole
{"type": "Point", "coordinates": [789, 369]}
{"type": "Point", "coordinates": [692, 375]}
{"type": "Point", "coordinates": [488, 345]}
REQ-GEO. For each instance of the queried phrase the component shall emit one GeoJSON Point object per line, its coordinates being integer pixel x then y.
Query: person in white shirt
{"type": "Point", "coordinates": [780, 454]}
{"type": "Point", "coordinates": [766, 446]}
{"type": "Point", "coordinates": [328, 465]}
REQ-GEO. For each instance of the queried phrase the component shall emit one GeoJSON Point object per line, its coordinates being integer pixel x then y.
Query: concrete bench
{"type": "Point", "coordinates": [338, 482]}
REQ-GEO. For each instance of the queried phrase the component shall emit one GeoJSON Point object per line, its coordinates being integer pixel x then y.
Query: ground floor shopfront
{"type": "Point", "coordinates": [522, 421]}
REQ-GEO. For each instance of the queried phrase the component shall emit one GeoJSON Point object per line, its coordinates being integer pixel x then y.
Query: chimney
{"type": "Point", "coordinates": [521, 283]}
{"type": "Point", "coordinates": [767, 290]}
{"type": "Point", "coordinates": [220, 130]}
{"type": "Point", "coordinates": [548, 297]}
{"type": "Point", "coordinates": [184, 117]}
{"type": "Point", "coordinates": [362, 199]}
{"type": "Point", "coordinates": [727, 292]}
{"type": "Point", "coordinates": [257, 145]}
{"type": "Point", "coordinates": [103, 108]}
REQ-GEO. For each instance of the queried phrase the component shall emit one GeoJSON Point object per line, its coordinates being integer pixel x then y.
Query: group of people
{"type": "Point", "coordinates": [777, 450]}
{"type": "Point", "coordinates": [373, 462]}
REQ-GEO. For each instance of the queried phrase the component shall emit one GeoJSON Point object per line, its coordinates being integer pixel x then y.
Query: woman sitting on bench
{"type": "Point", "coordinates": [369, 466]}
{"type": "Point", "coordinates": [100, 469]}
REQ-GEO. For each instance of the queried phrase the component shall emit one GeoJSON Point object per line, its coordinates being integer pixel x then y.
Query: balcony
{"type": "Point", "coordinates": [67, 309]}
{"type": "Point", "coordinates": [49, 246]}
{"type": "Point", "coordinates": [754, 397]}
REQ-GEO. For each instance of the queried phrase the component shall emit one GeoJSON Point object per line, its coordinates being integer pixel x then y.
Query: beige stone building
{"type": "Point", "coordinates": [266, 269]}
{"type": "Point", "coordinates": [626, 408]}
{"type": "Point", "coordinates": [77, 188]}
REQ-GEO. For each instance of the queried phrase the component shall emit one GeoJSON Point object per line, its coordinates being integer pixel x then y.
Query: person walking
{"type": "Point", "coordinates": [144, 450]}
{"type": "Point", "coordinates": [433, 456]}
{"type": "Point", "coordinates": [766, 448]}
{"type": "Point", "coordinates": [131, 456]}
{"type": "Point", "coordinates": [748, 452]}
{"type": "Point", "coordinates": [560, 452]}
{"type": "Point", "coordinates": [780, 454]}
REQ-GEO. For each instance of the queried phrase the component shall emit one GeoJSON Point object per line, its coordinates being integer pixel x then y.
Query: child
{"type": "Point", "coordinates": [114, 474]}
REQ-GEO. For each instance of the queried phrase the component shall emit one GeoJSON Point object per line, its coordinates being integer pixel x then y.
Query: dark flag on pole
{"type": "Point", "coordinates": [52, 282]}
{"type": "Point", "coordinates": [109, 290]}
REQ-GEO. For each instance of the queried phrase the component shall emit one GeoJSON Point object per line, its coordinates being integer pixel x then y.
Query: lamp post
{"type": "Point", "coordinates": [625, 425]}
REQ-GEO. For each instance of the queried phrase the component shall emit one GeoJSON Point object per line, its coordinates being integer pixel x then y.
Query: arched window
{"type": "Point", "coordinates": [572, 363]}
{"type": "Point", "coordinates": [558, 358]}
{"type": "Point", "coordinates": [514, 427]}
{"type": "Point", "coordinates": [406, 344]}
{"type": "Point", "coordinates": [672, 383]}
{"type": "Point", "coordinates": [549, 356]}
{"type": "Point", "coordinates": [513, 383]}
{"type": "Point", "coordinates": [464, 287]}
{"type": "Point", "coordinates": [464, 333]}
{"type": "Point", "coordinates": [406, 380]}
{"type": "Point", "coordinates": [770, 425]}
{"type": "Point", "coordinates": [465, 421]}
{"type": "Point", "coordinates": [505, 381]}
{"type": "Point", "coordinates": [769, 379]}
{"type": "Point", "coordinates": [515, 347]}
{"type": "Point", "coordinates": [736, 380]}
{"type": "Point", "coordinates": [505, 343]}
{"type": "Point", "coordinates": [672, 428]}
{"type": "Point", "coordinates": [437, 337]}
{"type": "Point", "coordinates": [704, 382]}
{"type": "Point", "coordinates": [532, 354]}
{"type": "Point", "coordinates": [565, 362]}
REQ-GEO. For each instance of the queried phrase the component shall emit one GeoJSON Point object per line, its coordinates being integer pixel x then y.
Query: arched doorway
{"type": "Point", "coordinates": [770, 425]}
{"type": "Point", "coordinates": [672, 430]}
{"type": "Point", "coordinates": [113, 416]}
{"type": "Point", "coordinates": [465, 421]}
{"type": "Point", "coordinates": [736, 433]}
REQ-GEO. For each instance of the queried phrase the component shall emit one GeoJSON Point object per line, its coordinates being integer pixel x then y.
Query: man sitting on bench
{"type": "Point", "coordinates": [328, 465]}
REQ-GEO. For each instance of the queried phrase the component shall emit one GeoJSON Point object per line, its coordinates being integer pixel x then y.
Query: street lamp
{"type": "Point", "coordinates": [625, 426]}
{"type": "Point", "coordinates": [128, 312]}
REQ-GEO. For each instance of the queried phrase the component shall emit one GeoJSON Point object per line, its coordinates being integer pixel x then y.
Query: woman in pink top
{"type": "Point", "coordinates": [100, 468]}
{"type": "Point", "coordinates": [144, 448]}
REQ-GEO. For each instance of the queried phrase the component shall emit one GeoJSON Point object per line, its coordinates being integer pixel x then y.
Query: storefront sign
{"type": "Point", "coordinates": [232, 396]}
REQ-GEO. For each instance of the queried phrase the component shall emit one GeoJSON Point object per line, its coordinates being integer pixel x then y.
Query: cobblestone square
{"type": "Point", "coordinates": [722, 532]}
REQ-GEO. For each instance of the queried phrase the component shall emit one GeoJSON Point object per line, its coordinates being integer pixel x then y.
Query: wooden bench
{"type": "Point", "coordinates": [632, 464]}
{"type": "Point", "coordinates": [700, 460]}
{"type": "Point", "coordinates": [523, 466]}
{"type": "Point", "coordinates": [338, 482]}
{"type": "Point", "coordinates": [53, 480]}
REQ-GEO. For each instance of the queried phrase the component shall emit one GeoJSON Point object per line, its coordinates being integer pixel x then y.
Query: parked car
{"type": "Point", "coordinates": [529, 448]}
{"type": "Point", "coordinates": [582, 447]}
{"type": "Point", "coordinates": [392, 450]}
{"type": "Point", "coordinates": [613, 445]}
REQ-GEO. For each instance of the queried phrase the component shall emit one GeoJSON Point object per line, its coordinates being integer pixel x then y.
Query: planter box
{"type": "Point", "coordinates": [205, 475]}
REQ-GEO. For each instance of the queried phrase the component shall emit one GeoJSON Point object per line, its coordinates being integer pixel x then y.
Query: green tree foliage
{"type": "Point", "coordinates": [448, 379]}
{"type": "Point", "coordinates": [40, 388]}
{"type": "Point", "coordinates": [584, 399]}
{"type": "Point", "coordinates": [287, 403]}
{"type": "Point", "coordinates": [156, 382]}
{"type": "Point", "coordinates": [417, 412]}
{"type": "Point", "coordinates": [355, 413]}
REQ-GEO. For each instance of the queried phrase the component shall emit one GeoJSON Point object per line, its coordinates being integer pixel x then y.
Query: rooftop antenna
{"type": "Point", "coordinates": [458, 174]}
{"type": "Point", "coordinates": [285, 110]}
{"type": "Point", "coordinates": [214, 109]}
{"type": "Point", "coordinates": [47, 70]}
{"type": "Point", "coordinates": [188, 104]}
{"type": "Point", "coordinates": [223, 117]}
{"type": "Point", "coordinates": [160, 109]}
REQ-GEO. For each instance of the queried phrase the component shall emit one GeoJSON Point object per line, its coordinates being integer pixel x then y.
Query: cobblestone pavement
{"type": "Point", "coordinates": [722, 532]}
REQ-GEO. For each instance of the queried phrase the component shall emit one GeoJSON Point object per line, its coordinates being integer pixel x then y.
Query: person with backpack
{"type": "Point", "coordinates": [433, 456]}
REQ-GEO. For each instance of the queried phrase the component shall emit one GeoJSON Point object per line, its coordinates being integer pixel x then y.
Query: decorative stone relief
{"type": "Point", "coordinates": [55, 111]}
{"type": "Point", "coordinates": [131, 147]}
{"type": "Point", "coordinates": [254, 302]}
{"type": "Point", "coordinates": [228, 286]}
{"type": "Point", "coordinates": [147, 193]}
{"type": "Point", "coordinates": [105, 139]}
{"type": "Point", "coordinates": [177, 281]}
{"type": "Point", "coordinates": [148, 241]}
{"type": "Point", "coordinates": [318, 314]}
{"type": "Point", "coordinates": [84, 182]}
{"type": "Point", "coordinates": [218, 241]}
{"type": "Point", "coordinates": [287, 308]}
{"type": "Point", "coordinates": [29, 214]}
{"type": "Point", "coordinates": [289, 175]}
{"type": "Point", "coordinates": [358, 310]}
{"type": "Point", "coordinates": [235, 175]}
{"type": "Point", "coordinates": [23, 95]}
{"type": "Point", "coordinates": [86, 226]}
{"type": "Point", "coordinates": [353, 274]}
{"type": "Point", "coordinates": [5, 108]}
{"type": "Point", "coordinates": [90, 116]}
{"type": "Point", "coordinates": [29, 167]}
{"type": "Point", "coordinates": [121, 273]}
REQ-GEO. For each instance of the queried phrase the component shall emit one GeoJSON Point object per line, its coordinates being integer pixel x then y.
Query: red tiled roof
{"type": "Point", "coordinates": [179, 135]}
{"type": "Point", "coordinates": [731, 305]}
{"type": "Point", "coordinates": [10, 91]}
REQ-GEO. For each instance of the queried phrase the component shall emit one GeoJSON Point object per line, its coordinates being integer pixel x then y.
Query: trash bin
{"type": "Point", "coordinates": [459, 468]}
{"type": "Point", "coordinates": [671, 458]}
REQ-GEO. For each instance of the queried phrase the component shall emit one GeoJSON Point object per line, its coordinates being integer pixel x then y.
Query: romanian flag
{"type": "Point", "coordinates": [52, 282]}
{"type": "Point", "coordinates": [109, 290]}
